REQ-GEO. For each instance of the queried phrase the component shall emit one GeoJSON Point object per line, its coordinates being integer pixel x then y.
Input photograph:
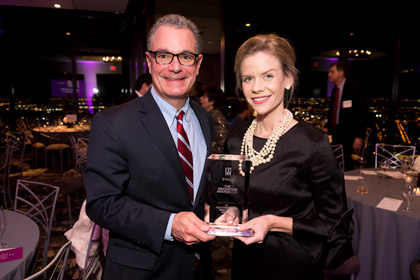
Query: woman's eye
{"type": "Point", "coordinates": [246, 79]}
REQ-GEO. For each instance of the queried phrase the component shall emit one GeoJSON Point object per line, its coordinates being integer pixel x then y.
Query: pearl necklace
{"type": "Point", "coordinates": [267, 152]}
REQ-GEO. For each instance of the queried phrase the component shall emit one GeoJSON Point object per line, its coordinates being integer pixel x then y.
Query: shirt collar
{"type": "Point", "coordinates": [341, 86]}
{"type": "Point", "coordinates": [169, 112]}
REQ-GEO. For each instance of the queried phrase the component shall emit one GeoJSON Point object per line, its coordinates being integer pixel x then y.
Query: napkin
{"type": "Point", "coordinates": [369, 172]}
{"type": "Point", "coordinates": [352, 177]}
{"type": "Point", "coordinates": [393, 174]}
{"type": "Point", "coordinates": [390, 203]}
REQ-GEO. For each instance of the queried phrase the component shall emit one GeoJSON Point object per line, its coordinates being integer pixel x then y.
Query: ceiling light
{"type": "Point", "coordinates": [247, 24]}
{"type": "Point", "coordinates": [58, 6]}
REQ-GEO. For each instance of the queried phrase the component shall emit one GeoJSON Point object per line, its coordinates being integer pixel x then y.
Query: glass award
{"type": "Point", "coordinates": [227, 181]}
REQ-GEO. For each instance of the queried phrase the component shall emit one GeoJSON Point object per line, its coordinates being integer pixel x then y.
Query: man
{"type": "Point", "coordinates": [346, 121]}
{"type": "Point", "coordinates": [141, 86]}
{"type": "Point", "coordinates": [135, 178]}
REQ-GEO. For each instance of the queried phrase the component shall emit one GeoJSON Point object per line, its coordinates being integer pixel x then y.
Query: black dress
{"type": "Point", "coordinates": [302, 181]}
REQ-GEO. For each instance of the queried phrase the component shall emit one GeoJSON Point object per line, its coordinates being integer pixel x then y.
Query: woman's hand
{"type": "Point", "coordinates": [260, 226]}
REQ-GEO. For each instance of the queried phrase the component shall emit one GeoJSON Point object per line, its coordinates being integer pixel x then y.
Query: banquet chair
{"type": "Point", "coordinates": [20, 148]}
{"type": "Point", "coordinates": [37, 200]}
{"type": "Point", "coordinates": [395, 153]}
{"type": "Point", "coordinates": [339, 154]}
{"type": "Point", "coordinates": [54, 145]}
{"type": "Point", "coordinates": [94, 255]}
{"type": "Point", "coordinates": [80, 152]}
{"type": "Point", "coordinates": [5, 167]}
{"type": "Point", "coordinates": [56, 267]}
{"type": "Point", "coordinates": [73, 183]}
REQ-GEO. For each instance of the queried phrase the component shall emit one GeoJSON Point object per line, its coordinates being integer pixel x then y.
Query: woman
{"type": "Point", "coordinates": [212, 102]}
{"type": "Point", "coordinates": [296, 192]}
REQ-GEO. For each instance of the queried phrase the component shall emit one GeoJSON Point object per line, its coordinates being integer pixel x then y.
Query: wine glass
{"type": "Point", "coordinates": [408, 193]}
{"type": "Point", "coordinates": [385, 165]}
{"type": "Point", "coordinates": [406, 164]}
{"type": "Point", "coordinates": [2, 227]}
{"type": "Point", "coordinates": [361, 161]}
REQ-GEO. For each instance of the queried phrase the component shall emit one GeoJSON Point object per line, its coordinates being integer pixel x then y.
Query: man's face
{"type": "Point", "coordinates": [173, 81]}
{"type": "Point", "coordinates": [335, 75]}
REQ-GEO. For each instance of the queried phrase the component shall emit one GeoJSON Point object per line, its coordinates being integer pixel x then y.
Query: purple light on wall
{"type": "Point", "coordinates": [89, 69]}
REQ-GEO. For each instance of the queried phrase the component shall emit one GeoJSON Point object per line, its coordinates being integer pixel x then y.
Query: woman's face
{"type": "Point", "coordinates": [205, 103]}
{"type": "Point", "coordinates": [263, 83]}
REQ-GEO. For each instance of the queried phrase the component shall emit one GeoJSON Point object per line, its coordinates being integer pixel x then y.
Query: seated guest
{"type": "Point", "coordinates": [212, 102]}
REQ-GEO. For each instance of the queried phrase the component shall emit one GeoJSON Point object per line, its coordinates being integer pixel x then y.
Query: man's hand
{"type": "Point", "coordinates": [189, 229]}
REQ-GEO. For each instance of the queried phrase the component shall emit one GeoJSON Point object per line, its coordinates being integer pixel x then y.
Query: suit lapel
{"type": "Point", "coordinates": [154, 121]}
{"type": "Point", "coordinates": [155, 124]}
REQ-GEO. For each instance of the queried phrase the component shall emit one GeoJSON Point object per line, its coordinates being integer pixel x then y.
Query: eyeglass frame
{"type": "Point", "coordinates": [177, 56]}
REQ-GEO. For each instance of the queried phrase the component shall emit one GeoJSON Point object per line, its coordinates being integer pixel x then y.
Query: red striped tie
{"type": "Point", "coordinates": [184, 151]}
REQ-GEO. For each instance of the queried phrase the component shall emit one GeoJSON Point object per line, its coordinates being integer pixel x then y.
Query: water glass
{"type": "Point", "coordinates": [361, 162]}
{"type": "Point", "coordinates": [408, 193]}
{"type": "Point", "coordinates": [406, 163]}
{"type": "Point", "coordinates": [385, 165]}
{"type": "Point", "coordinates": [2, 227]}
{"type": "Point", "coordinates": [362, 186]}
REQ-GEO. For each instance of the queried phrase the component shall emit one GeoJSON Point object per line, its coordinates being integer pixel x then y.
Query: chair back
{"type": "Point", "coordinates": [93, 255]}
{"type": "Point", "coordinates": [395, 153]}
{"type": "Point", "coordinates": [37, 200]}
{"type": "Point", "coordinates": [21, 138]}
{"type": "Point", "coordinates": [56, 268]}
{"type": "Point", "coordinates": [339, 154]}
{"type": "Point", "coordinates": [5, 167]}
{"type": "Point", "coordinates": [80, 153]}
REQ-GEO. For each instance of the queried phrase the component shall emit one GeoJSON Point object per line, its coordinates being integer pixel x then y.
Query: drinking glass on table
{"type": "Point", "coordinates": [408, 193]}
{"type": "Point", "coordinates": [385, 164]}
{"type": "Point", "coordinates": [406, 164]}
{"type": "Point", "coordinates": [362, 186]}
{"type": "Point", "coordinates": [361, 162]}
{"type": "Point", "coordinates": [2, 227]}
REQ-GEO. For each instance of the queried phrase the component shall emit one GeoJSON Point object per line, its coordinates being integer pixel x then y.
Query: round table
{"type": "Point", "coordinates": [61, 133]}
{"type": "Point", "coordinates": [21, 231]}
{"type": "Point", "coordinates": [385, 241]}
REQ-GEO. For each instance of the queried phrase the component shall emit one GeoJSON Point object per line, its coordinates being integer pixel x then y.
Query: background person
{"type": "Point", "coordinates": [244, 113]}
{"type": "Point", "coordinates": [141, 86]}
{"type": "Point", "coordinates": [296, 188]}
{"type": "Point", "coordinates": [346, 123]}
{"type": "Point", "coordinates": [212, 101]}
{"type": "Point", "coordinates": [135, 179]}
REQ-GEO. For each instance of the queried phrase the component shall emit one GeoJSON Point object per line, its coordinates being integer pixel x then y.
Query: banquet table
{"type": "Point", "coordinates": [60, 132]}
{"type": "Point", "coordinates": [21, 231]}
{"type": "Point", "coordinates": [385, 241]}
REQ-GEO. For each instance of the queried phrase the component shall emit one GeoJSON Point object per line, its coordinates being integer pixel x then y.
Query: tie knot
{"type": "Point", "coordinates": [180, 115]}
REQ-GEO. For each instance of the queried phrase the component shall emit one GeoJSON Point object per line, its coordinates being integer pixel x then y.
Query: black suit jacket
{"type": "Point", "coordinates": [352, 118]}
{"type": "Point", "coordinates": [134, 180]}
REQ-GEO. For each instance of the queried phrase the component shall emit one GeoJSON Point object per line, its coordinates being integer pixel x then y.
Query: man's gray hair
{"type": "Point", "coordinates": [176, 21]}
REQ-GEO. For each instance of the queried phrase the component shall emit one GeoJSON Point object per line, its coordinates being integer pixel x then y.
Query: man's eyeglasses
{"type": "Point", "coordinates": [186, 59]}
